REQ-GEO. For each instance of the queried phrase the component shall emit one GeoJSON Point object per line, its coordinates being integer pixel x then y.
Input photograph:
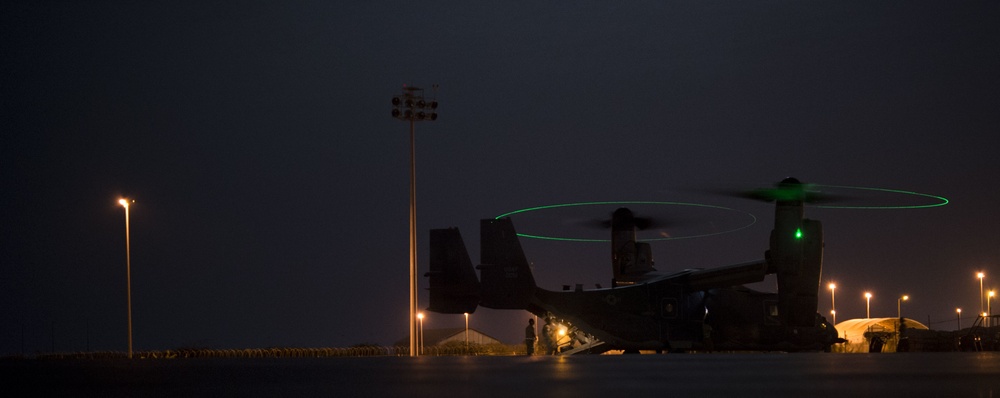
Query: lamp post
{"type": "Point", "coordinates": [128, 274]}
{"type": "Point", "coordinates": [420, 317]}
{"type": "Point", "coordinates": [980, 275]}
{"type": "Point", "coordinates": [989, 310]}
{"type": "Point", "coordinates": [833, 302]}
{"type": "Point", "coordinates": [868, 305]}
{"type": "Point", "coordinates": [959, 311]}
{"type": "Point", "coordinates": [899, 313]}
{"type": "Point", "coordinates": [989, 297]}
{"type": "Point", "coordinates": [466, 332]}
{"type": "Point", "coordinates": [411, 106]}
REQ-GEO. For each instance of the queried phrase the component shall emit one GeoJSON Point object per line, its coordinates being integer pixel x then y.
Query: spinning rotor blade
{"type": "Point", "coordinates": [789, 189]}
{"type": "Point", "coordinates": [641, 223]}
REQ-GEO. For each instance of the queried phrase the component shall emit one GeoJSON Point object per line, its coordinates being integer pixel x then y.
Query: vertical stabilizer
{"type": "Point", "coordinates": [507, 282]}
{"type": "Point", "coordinates": [454, 288]}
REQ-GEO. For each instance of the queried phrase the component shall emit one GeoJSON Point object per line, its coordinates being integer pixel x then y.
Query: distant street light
{"type": "Point", "coordinates": [833, 302]}
{"type": "Point", "coordinates": [420, 316]}
{"type": "Point", "coordinates": [989, 297]}
{"type": "Point", "coordinates": [411, 106]}
{"type": "Point", "coordinates": [899, 307]}
{"type": "Point", "coordinates": [959, 311]}
{"type": "Point", "coordinates": [980, 276]}
{"type": "Point", "coordinates": [868, 305]}
{"type": "Point", "coordinates": [128, 274]}
{"type": "Point", "coordinates": [989, 310]}
{"type": "Point", "coordinates": [466, 332]}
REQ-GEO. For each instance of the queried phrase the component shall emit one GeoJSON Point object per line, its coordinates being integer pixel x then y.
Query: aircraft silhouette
{"type": "Point", "coordinates": [693, 309]}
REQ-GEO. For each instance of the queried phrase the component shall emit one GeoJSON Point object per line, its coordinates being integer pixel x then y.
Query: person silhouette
{"type": "Point", "coordinates": [529, 337]}
{"type": "Point", "coordinates": [548, 338]}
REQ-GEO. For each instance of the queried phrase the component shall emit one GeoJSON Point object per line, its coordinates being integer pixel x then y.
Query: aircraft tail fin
{"type": "Point", "coordinates": [507, 282]}
{"type": "Point", "coordinates": [454, 288]}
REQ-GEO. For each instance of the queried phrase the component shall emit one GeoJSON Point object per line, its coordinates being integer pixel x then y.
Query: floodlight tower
{"type": "Point", "coordinates": [413, 107]}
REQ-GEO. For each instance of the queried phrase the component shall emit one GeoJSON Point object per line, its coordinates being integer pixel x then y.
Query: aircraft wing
{"type": "Point", "coordinates": [727, 276]}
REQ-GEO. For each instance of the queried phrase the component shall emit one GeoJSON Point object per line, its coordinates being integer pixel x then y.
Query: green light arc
{"type": "Point", "coordinates": [943, 200]}
{"type": "Point", "coordinates": [753, 219]}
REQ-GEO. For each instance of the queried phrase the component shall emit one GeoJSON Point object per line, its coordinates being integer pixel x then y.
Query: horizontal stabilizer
{"type": "Point", "coordinates": [454, 288]}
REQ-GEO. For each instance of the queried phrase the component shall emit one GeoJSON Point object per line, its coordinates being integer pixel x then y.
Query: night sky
{"type": "Point", "coordinates": [271, 183]}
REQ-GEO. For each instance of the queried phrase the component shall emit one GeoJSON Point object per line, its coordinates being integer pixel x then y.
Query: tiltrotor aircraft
{"type": "Point", "coordinates": [693, 309]}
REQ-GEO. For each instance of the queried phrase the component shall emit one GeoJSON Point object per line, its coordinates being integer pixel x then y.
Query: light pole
{"type": "Point", "coordinates": [128, 274]}
{"type": "Point", "coordinates": [868, 305]}
{"type": "Point", "coordinates": [980, 276]}
{"type": "Point", "coordinates": [959, 311]}
{"type": "Point", "coordinates": [989, 310]}
{"type": "Point", "coordinates": [466, 332]}
{"type": "Point", "coordinates": [833, 302]}
{"type": "Point", "coordinates": [899, 313]}
{"type": "Point", "coordinates": [420, 317]}
{"type": "Point", "coordinates": [989, 297]}
{"type": "Point", "coordinates": [411, 106]}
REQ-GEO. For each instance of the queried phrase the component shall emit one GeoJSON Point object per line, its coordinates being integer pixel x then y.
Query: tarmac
{"type": "Point", "coordinates": [952, 374]}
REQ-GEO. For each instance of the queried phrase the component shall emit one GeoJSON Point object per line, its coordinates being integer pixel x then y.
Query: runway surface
{"type": "Point", "coordinates": [685, 375]}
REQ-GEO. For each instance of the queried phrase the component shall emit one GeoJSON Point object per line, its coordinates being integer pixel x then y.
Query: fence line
{"type": "Point", "coordinates": [288, 352]}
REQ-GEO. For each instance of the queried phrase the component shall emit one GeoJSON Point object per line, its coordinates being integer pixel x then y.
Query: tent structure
{"type": "Point", "coordinates": [434, 337]}
{"type": "Point", "coordinates": [859, 333]}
